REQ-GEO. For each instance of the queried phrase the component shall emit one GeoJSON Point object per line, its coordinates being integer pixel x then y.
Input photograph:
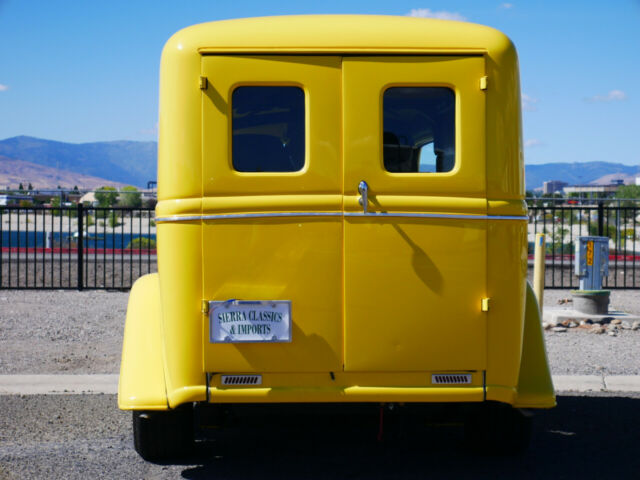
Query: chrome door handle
{"type": "Point", "coordinates": [363, 189]}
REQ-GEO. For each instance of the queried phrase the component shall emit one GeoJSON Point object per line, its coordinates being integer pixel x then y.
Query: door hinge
{"type": "Point", "coordinates": [203, 83]}
{"type": "Point", "coordinates": [205, 306]}
{"type": "Point", "coordinates": [484, 304]}
{"type": "Point", "coordinates": [483, 82]}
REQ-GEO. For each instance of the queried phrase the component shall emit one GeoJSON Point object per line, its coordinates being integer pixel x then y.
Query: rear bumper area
{"type": "Point", "coordinates": [346, 388]}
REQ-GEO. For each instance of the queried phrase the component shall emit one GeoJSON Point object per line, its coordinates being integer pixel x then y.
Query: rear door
{"type": "Point", "coordinates": [272, 206]}
{"type": "Point", "coordinates": [415, 261]}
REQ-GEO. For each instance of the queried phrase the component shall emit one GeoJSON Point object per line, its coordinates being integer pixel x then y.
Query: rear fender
{"type": "Point", "coordinates": [535, 387]}
{"type": "Point", "coordinates": [142, 383]}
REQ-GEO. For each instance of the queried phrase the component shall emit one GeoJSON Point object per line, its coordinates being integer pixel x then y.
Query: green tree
{"type": "Point", "coordinates": [55, 202]}
{"type": "Point", "coordinates": [20, 187]}
{"type": "Point", "coordinates": [130, 197]}
{"type": "Point", "coordinates": [30, 187]}
{"type": "Point", "coordinates": [113, 219]}
{"type": "Point", "coordinates": [106, 197]}
{"type": "Point", "coordinates": [628, 192]}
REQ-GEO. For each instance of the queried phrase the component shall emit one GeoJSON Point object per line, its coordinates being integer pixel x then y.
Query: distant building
{"type": "Point", "coordinates": [553, 186]}
{"type": "Point", "coordinates": [13, 199]}
{"type": "Point", "coordinates": [593, 191]}
{"type": "Point", "coordinates": [89, 198]}
{"type": "Point", "coordinates": [637, 180]}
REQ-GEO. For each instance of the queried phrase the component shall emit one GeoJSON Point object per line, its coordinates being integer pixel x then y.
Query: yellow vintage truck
{"type": "Point", "coordinates": [340, 221]}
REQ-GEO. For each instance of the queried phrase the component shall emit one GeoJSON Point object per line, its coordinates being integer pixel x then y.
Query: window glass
{"type": "Point", "coordinates": [268, 129]}
{"type": "Point", "coordinates": [419, 129]}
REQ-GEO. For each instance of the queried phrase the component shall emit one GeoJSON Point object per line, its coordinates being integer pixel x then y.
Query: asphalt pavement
{"type": "Point", "coordinates": [85, 436]}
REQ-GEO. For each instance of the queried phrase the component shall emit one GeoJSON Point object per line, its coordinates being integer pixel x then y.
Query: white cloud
{"type": "Point", "coordinates": [529, 103]}
{"type": "Point", "coordinates": [506, 6]}
{"type": "Point", "coordinates": [442, 15]}
{"type": "Point", "coordinates": [612, 96]}
{"type": "Point", "coordinates": [4, 88]}
{"type": "Point", "coordinates": [532, 142]}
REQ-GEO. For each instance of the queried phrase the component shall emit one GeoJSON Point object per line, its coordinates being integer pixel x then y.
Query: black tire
{"type": "Point", "coordinates": [498, 429]}
{"type": "Point", "coordinates": [163, 435]}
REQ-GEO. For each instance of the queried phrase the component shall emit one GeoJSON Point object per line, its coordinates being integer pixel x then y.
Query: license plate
{"type": "Point", "coordinates": [237, 321]}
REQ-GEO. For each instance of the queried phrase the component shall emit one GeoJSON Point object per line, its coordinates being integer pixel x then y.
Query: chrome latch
{"type": "Point", "coordinates": [363, 189]}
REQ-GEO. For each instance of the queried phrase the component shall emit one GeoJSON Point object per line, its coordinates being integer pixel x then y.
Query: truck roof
{"type": "Point", "coordinates": [340, 34]}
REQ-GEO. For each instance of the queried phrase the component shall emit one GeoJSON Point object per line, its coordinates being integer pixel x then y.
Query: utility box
{"type": "Point", "coordinates": [592, 254]}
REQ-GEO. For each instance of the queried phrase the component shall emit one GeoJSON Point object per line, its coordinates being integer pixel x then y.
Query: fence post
{"type": "Point", "coordinates": [538, 269]}
{"type": "Point", "coordinates": [80, 245]}
{"type": "Point", "coordinates": [600, 218]}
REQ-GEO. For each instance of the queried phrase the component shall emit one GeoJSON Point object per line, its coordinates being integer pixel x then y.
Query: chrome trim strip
{"type": "Point", "coordinates": [435, 215]}
{"type": "Point", "coordinates": [188, 218]}
{"type": "Point", "coordinates": [231, 216]}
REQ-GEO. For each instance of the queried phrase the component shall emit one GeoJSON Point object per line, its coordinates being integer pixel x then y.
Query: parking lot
{"type": "Point", "coordinates": [589, 435]}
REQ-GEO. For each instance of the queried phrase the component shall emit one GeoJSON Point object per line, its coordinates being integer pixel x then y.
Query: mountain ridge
{"type": "Point", "coordinates": [134, 162]}
{"type": "Point", "coordinates": [582, 173]}
{"type": "Point", "coordinates": [123, 161]}
{"type": "Point", "coordinates": [13, 172]}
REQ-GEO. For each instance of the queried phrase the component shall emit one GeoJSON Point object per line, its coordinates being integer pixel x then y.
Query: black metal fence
{"type": "Point", "coordinates": [75, 247]}
{"type": "Point", "coordinates": [564, 220]}
{"type": "Point", "coordinates": [82, 247]}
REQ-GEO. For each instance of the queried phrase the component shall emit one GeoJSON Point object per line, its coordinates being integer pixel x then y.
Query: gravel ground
{"type": "Point", "coordinates": [61, 331]}
{"type": "Point", "coordinates": [577, 352]}
{"type": "Point", "coordinates": [85, 436]}
{"type": "Point", "coordinates": [81, 332]}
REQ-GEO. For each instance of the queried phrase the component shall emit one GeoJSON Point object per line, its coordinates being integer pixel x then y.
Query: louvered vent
{"type": "Point", "coordinates": [241, 379]}
{"type": "Point", "coordinates": [451, 379]}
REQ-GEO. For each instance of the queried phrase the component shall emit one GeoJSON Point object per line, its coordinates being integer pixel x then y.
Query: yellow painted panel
{"type": "Point", "coordinates": [275, 258]}
{"type": "Point", "coordinates": [180, 272]}
{"type": "Point", "coordinates": [179, 123]}
{"type": "Point", "coordinates": [348, 394]}
{"type": "Point", "coordinates": [340, 33]}
{"type": "Point", "coordinates": [507, 207]}
{"type": "Point", "coordinates": [417, 203]}
{"type": "Point", "coordinates": [273, 203]}
{"type": "Point", "coordinates": [506, 282]}
{"type": "Point", "coordinates": [350, 379]}
{"type": "Point", "coordinates": [142, 384]}
{"type": "Point", "coordinates": [413, 290]}
{"type": "Point", "coordinates": [414, 286]}
{"type": "Point", "coordinates": [535, 386]}
{"type": "Point", "coordinates": [365, 80]}
{"type": "Point", "coordinates": [297, 259]}
{"type": "Point", "coordinates": [319, 77]}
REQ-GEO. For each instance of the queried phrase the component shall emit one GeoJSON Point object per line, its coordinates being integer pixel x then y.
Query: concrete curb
{"type": "Point", "coordinates": [108, 384]}
{"type": "Point", "coordinates": [58, 384]}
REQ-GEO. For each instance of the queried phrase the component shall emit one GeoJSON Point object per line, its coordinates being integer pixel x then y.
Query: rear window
{"type": "Point", "coordinates": [419, 129]}
{"type": "Point", "coordinates": [268, 128]}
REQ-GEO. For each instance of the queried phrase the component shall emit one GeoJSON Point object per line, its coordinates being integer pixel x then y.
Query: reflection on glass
{"type": "Point", "coordinates": [419, 129]}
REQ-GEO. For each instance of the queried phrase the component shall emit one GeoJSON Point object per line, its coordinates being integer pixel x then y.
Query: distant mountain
{"type": "Point", "coordinates": [134, 163]}
{"type": "Point", "coordinates": [14, 172]}
{"type": "Point", "coordinates": [578, 173]}
{"type": "Point", "coordinates": [127, 162]}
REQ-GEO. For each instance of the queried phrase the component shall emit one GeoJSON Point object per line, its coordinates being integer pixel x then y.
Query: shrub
{"type": "Point", "coordinates": [113, 219]}
{"type": "Point", "coordinates": [142, 243]}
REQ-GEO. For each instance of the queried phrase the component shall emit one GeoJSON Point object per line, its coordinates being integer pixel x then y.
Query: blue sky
{"type": "Point", "coordinates": [82, 71]}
